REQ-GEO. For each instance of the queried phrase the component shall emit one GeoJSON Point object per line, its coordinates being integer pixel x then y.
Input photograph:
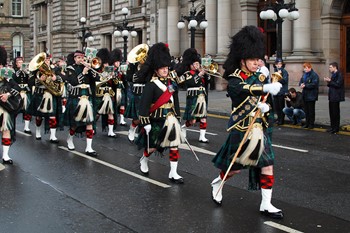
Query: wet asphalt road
{"type": "Point", "coordinates": [50, 189]}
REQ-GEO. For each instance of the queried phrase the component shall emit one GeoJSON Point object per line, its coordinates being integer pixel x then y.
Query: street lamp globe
{"type": "Point", "coordinates": [133, 33]}
{"type": "Point", "coordinates": [181, 24]}
{"type": "Point", "coordinates": [117, 33]}
{"type": "Point", "coordinates": [125, 33]}
{"type": "Point", "coordinates": [90, 38]}
{"type": "Point", "coordinates": [82, 20]}
{"type": "Point", "coordinates": [263, 15]}
{"type": "Point", "coordinates": [125, 11]}
{"type": "Point", "coordinates": [203, 24]}
{"type": "Point", "coordinates": [294, 15]}
{"type": "Point", "coordinates": [269, 14]}
{"type": "Point", "coordinates": [283, 13]}
{"type": "Point", "coordinates": [193, 23]}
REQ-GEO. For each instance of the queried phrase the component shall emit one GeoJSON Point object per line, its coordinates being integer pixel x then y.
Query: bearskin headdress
{"type": "Point", "coordinates": [3, 56]}
{"type": "Point", "coordinates": [158, 56]}
{"type": "Point", "coordinates": [70, 59]}
{"type": "Point", "coordinates": [115, 55]}
{"type": "Point", "coordinates": [188, 58]}
{"type": "Point", "coordinates": [247, 43]}
{"type": "Point", "coordinates": [104, 55]}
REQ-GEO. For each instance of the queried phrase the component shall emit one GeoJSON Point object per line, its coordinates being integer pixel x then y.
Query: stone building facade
{"type": "Point", "coordinates": [15, 32]}
{"type": "Point", "coordinates": [321, 34]}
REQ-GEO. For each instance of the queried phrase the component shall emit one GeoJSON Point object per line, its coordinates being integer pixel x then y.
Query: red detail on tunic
{"type": "Point", "coordinates": [243, 75]}
{"type": "Point", "coordinates": [192, 72]}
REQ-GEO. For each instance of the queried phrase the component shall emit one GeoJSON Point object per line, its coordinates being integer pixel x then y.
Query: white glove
{"type": "Point", "coordinates": [273, 88]}
{"type": "Point", "coordinates": [263, 107]}
{"type": "Point", "coordinates": [147, 128]}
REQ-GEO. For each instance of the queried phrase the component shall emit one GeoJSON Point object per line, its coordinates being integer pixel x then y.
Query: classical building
{"type": "Point", "coordinates": [321, 34]}
{"type": "Point", "coordinates": [16, 34]}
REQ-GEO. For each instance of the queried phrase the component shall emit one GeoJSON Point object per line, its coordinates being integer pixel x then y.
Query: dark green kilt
{"type": "Point", "coordinates": [132, 108]}
{"type": "Point", "coordinates": [69, 114]}
{"type": "Point", "coordinates": [141, 140]}
{"type": "Point", "coordinates": [35, 104]}
{"type": "Point", "coordinates": [27, 104]}
{"type": "Point", "coordinates": [224, 157]}
{"type": "Point", "coordinates": [191, 102]}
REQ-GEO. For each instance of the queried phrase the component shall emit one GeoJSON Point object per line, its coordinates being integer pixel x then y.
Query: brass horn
{"type": "Point", "coordinates": [138, 54]}
{"type": "Point", "coordinates": [212, 69]}
{"type": "Point", "coordinates": [38, 63]}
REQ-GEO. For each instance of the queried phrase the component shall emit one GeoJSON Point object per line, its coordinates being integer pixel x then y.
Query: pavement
{"type": "Point", "coordinates": [219, 104]}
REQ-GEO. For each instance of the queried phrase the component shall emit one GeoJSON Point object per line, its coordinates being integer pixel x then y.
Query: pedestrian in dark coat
{"type": "Point", "coordinates": [336, 94]}
{"type": "Point", "coordinates": [309, 83]}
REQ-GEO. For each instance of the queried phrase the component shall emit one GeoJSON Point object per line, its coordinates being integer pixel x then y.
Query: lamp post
{"type": "Point", "coordinates": [278, 12]}
{"type": "Point", "coordinates": [124, 30]}
{"type": "Point", "coordinates": [86, 35]}
{"type": "Point", "coordinates": [193, 21]}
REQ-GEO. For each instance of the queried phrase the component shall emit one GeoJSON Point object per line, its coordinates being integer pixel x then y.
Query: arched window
{"type": "Point", "coordinates": [17, 46]}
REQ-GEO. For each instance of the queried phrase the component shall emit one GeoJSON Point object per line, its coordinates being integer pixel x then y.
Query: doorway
{"type": "Point", "coordinates": [345, 50]}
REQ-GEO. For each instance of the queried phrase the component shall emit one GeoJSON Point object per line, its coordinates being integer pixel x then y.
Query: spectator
{"type": "Point", "coordinates": [263, 69]}
{"type": "Point", "coordinates": [335, 96]}
{"type": "Point", "coordinates": [309, 83]}
{"type": "Point", "coordinates": [294, 110]}
{"type": "Point", "coordinates": [278, 99]}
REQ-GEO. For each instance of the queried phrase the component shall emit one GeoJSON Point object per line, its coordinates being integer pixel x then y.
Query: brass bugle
{"type": "Point", "coordinates": [212, 70]}
{"type": "Point", "coordinates": [93, 65]}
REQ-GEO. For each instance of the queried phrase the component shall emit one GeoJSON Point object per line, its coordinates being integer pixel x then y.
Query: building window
{"type": "Point", "coordinates": [17, 8]}
{"type": "Point", "coordinates": [17, 46]}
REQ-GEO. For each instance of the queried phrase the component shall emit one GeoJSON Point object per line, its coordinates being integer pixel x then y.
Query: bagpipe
{"type": "Point", "coordinates": [14, 102]}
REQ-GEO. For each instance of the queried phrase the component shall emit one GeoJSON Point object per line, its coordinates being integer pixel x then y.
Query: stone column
{"type": "Point", "coordinates": [49, 28]}
{"type": "Point", "coordinates": [286, 37]}
{"type": "Point", "coordinates": [173, 32]}
{"type": "Point", "coordinates": [211, 32]}
{"type": "Point", "coordinates": [302, 30]}
{"type": "Point", "coordinates": [223, 26]}
{"type": "Point", "coordinates": [248, 11]}
{"type": "Point", "coordinates": [162, 21]}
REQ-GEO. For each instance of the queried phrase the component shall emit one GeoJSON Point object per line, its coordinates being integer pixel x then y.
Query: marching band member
{"type": "Point", "coordinates": [196, 82]}
{"type": "Point", "coordinates": [8, 89]}
{"type": "Point", "coordinates": [79, 114]}
{"type": "Point", "coordinates": [119, 81]}
{"type": "Point", "coordinates": [45, 102]}
{"type": "Point", "coordinates": [21, 77]}
{"type": "Point", "coordinates": [136, 84]}
{"type": "Point", "coordinates": [247, 89]}
{"type": "Point", "coordinates": [105, 100]}
{"type": "Point", "coordinates": [159, 111]}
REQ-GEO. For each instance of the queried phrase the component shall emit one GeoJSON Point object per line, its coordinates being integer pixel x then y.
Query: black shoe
{"type": "Point", "coordinates": [329, 130]}
{"type": "Point", "coordinates": [113, 136]}
{"type": "Point", "coordinates": [277, 215]}
{"type": "Point", "coordinates": [38, 138]}
{"type": "Point", "coordinates": [334, 131]}
{"type": "Point", "coordinates": [28, 132]}
{"type": "Point", "coordinates": [123, 124]}
{"type": "Point", "coordinates": [306, 126]}
{"type": "Point", "coordinates": [91, 153]}
{"type": "Point", "coordinates": [311, 126]}
{"type": "Point", "coordinates": [54, 141]}
{"type": "Point", "coordinates": [7, 161]}
{"type": "Point", "coordinates": [177, 181]}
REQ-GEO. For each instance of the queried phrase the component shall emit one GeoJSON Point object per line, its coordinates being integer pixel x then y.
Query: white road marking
{"type": "Point", "coordinates": [282, 227]}
{"type": "Point", "coordinates": [198, 149]}
{"type": "Point", "coordinates": [117, 168]}
{"type": "Point", "coordinates": [194, 130]}
{"type": "Point", "coordinates": [2, 167]}
{"type": "Point", "coordinates": [23, 133]}
{"type": "Point", "coordinates": [290, 148]}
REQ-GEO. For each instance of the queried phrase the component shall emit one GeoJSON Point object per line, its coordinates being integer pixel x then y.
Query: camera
{"type": "Point", "coordinates": [287, 95]}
